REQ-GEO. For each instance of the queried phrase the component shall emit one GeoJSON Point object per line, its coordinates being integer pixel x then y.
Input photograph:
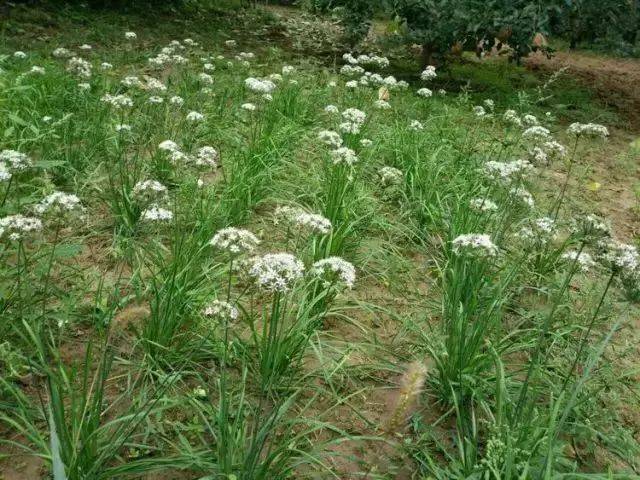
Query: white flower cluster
{"type": "Point", "coordinates": [79, 67]}
{"type": "Point", "coordinates": [416, 125]}
{"type": "Point", "coordinates": [334, 270]}
{"type": "Point", "coordinates": [382, 104]}
{"type": "Point", "coordinates": [18, 227]}
{"type": "Point", "coordinates": [168, 55]}
{"type": "Point", "coordinates": [511, 116]}
{"type": "Point", "coordinates": [479, 111]}
{"type": "Point", "coordinates": [297, 217]}
{"type": "Point", "coordinates": [428, 73]}
{"type": "Point", "coordinates": [590, 226]}
{"type": "Point", "coordinates": [117, 101]}
{"type": "Point", "coordinates": [206, 157]}
{"type": "Point", "coordinates": [330, 137]}
{"type": "Point", "coordinates": [530, 120]}
{"type": "Point", "coordinates": [59, 205]}
{"type": "Point", "coordinates": [331, 109]}
{"type": "Point", "coordinates": [205, 78]}
{"type": "Point", "coordinates": [584, 261]}
{"type": "Point", "coordinates": [483, 205]}
{"type": "Point", "coordinates": [62, 52]}
{"type": "Point", "coordinates": [12, 161]}
{"type": "Point", "coordinates": [424, 92]}
{"type": "Point", "coordinates": [220, 310]}
{"type": "Point", "coordinates": [474, 244]}
{"type": "Point", "coordinates": [351, 70]}
{"type": "Point", "coordinates": [234, 240]}
{"type": "Point", "coordinates": [507, 172]}
{"type": "Point", "coordinates": [622, 258]}
{"type": "Point", "coordinates": [588, 130]}
{"type": "Point", "coordinates": [343, 155]}
{"type": "Point", "coordinates": [149, 192]}
{"type": "Point", "coordinates": [354, 119]}
{"type": "Point", "coordinates": [390, 176]}
{"type": "Point", "coordinates": [537, 133]}
{"type": "Point", "coordinates": [521, 194]}
{"type": "Point", "coordinates": [539, 231]}
{"type": "Point", "coordinates": [156, 213]}
{"type": "Point", "coordinates": [370, 59]}
{"type": "Point", "coordinates": [130, 35]}
{"type": "Point", "coordinates": [276, 272]}
{"type": "Point", "coordinates": [194, 117]}
{"type": "Point", "coordinates": [259, 85]}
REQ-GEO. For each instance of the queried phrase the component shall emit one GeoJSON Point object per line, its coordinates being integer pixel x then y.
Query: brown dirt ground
{"type": "Point", "coordinates": [615, 80]}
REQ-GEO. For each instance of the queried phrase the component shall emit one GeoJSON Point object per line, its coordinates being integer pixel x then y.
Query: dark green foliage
{"type": "Point", "coordinates": [613, 24]}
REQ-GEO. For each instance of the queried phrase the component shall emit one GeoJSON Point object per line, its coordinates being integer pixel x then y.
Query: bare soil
{"type": "Point", "coordinates": [615, 80]}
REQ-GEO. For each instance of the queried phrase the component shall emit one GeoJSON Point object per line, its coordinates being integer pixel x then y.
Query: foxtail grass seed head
{"type": "Point", "coordinates": [14, 161]}
{"type": "Point", "coordinates": [221, 311]}
{"type": "Point", "coordinates": [156, 213]}
{"type": "Point", "coordinates": [19, 227]}
{"type": "Point", "coordinates": [334, 271]}
{"type": "Point", "coordinates": [234, 241]}
{"type": "Point", "coordinates": [276, 272]}
{"type": "Point", "coordinates": [475, 245]}
{"type": "Point", "coordinates": [592, 130]}
{"type": "Point", "coordinates": [390, 176]}
{"type": "Point", "coordinates": [406, 398]}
